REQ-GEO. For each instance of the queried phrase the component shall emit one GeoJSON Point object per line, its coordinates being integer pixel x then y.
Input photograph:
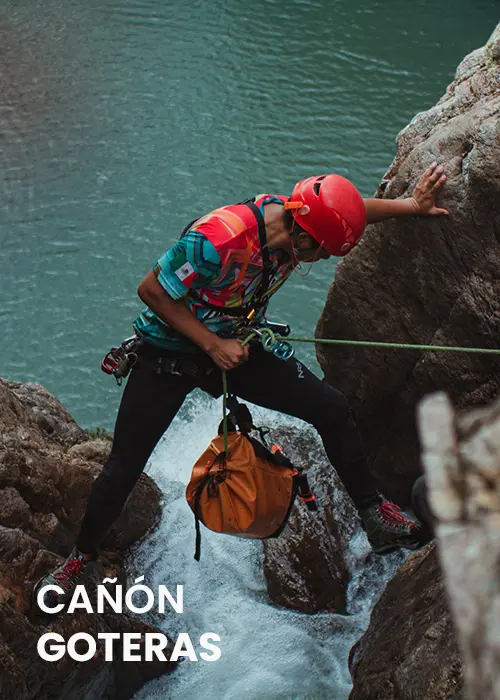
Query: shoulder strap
{"type": "Point", "coordinates": [264, 282]}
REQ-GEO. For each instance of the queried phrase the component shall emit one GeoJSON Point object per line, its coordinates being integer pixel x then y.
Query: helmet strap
{"type": "Point", "coordinates": [298, 269]}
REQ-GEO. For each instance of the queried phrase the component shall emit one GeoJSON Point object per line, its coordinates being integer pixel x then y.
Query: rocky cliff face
{"type": "Point", "coordinates": [425, 280]}
{"type": "Point", "coordinates": [409, 651]}
{"type": "Point", "coordinates": [47, 466]}
{"type": "Point", "coordinates": [313, 548]}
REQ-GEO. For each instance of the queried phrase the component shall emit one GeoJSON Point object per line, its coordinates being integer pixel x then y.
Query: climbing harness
{"type": "Point", "coordinates": [120, 360]}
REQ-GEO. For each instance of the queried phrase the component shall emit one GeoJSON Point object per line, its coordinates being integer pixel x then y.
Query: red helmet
{"type": "Point", "coordinates": [336, 215]}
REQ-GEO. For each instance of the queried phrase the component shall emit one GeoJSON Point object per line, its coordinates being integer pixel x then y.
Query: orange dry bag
{"type": "Point", "coordinates": [248, 490]}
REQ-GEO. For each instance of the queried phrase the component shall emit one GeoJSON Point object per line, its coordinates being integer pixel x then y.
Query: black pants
{"type": "Point", "coordinates": [150, 402]}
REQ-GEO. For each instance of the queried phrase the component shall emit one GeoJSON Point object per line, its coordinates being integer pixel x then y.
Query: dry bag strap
{"type": "Point", "coordinates": [199, 491]}
{"type": "Point", "coordinates": [197, 498]}
{"type": "Point", "coordinates": [305, 493]}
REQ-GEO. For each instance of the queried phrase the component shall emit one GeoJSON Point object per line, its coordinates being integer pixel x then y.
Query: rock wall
{"type": "Point", "coordinates": [409, 650]}
{"type": "Point", "coordinates": [425, 280]}
{"type": "Point", "coordinates": [313, 547]}
{"type": "Point", "coordinates": [47, 466]}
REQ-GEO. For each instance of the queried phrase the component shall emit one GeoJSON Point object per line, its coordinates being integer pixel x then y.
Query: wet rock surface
{"type": "Point", "coordinates": [313, 548]}
{"type": "Point", "coordinates": [409, 650]}
{"type": "Point", "coordinates": [47, 467]}
{"type": "Point", "coordinates": [425, 280]}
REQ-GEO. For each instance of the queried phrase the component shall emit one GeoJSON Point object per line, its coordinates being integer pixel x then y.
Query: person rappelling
{"type": "Point", "coordinates": [217, 278]}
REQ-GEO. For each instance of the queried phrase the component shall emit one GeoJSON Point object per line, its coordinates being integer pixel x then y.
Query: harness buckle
{"type": "Point", "coordinates": [175, 367]}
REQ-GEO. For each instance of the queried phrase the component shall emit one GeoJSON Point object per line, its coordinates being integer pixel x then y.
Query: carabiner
{"type": "Point", "coordinates": [111, 360]}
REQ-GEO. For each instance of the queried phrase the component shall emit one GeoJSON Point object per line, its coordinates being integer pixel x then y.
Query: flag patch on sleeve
{"type": "Point", "coordinates": [186, 273]}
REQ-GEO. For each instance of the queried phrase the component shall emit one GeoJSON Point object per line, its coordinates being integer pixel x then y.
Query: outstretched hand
{"type": "Point", "coordinates": [427, 189]}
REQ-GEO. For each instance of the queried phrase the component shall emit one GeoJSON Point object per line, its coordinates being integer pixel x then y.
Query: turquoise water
{"type": "Point", "coordinates": [120, 121]}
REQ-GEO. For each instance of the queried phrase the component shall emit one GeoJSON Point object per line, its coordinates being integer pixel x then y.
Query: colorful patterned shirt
{"type": "Point", "coordinates": [219, 261]}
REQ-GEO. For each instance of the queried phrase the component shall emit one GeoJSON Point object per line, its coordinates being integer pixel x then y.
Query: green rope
{"type": "Point", "coordinates": [265, 335]}
{"type": "Point", "coordinates": [404, 346]}
{"type": "Point", "coordinates": [224, 402]}
{"type": "Point", "coordinates": [269, 340]}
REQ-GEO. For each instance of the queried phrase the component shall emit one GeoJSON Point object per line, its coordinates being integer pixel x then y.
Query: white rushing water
{"type": "Point", "coordinates": [267, 652]}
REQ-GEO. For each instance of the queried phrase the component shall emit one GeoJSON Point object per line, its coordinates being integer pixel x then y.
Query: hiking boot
{"type": "Point", "coordinates": [66, 576]}
{"type": "Point", "coordinates": [388, 528]}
